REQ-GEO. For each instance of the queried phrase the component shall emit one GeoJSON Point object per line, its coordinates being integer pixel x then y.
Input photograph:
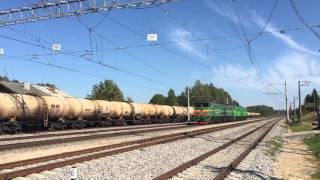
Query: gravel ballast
{"type": "Point", "coordinates": [149, 162]}
{"type": "Point", "coordinates": [39, 151]}
{"type": "Point", "coordinates": [260, 162]}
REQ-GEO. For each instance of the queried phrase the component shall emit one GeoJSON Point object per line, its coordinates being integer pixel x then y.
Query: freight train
{"type": "Point", "coordinates": [18, 111]}
{"type": "Point", "coordinates": [209, 112]}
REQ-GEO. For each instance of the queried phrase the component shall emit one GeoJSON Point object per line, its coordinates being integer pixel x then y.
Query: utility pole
{"type": "Point", "coordinates": [286, 98]}
{"type": "Point", "coordinates": [314, 105]}
{"type": "Point", "coordinates": [294, 107]}
{"type": "Point", "coordinates": [301, 83]}
{"type": "Point", "coordinates": [188, 94]}
{"type": "Point", "coordinates": [299, 96]}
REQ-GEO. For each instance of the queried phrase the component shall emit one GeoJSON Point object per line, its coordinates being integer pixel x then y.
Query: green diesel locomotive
{"type": "Point", "coordinates": [209, 112]}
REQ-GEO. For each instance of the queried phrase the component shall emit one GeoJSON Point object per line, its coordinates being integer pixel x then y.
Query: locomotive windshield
{"type": "Point", "coordinates": [201, 105]}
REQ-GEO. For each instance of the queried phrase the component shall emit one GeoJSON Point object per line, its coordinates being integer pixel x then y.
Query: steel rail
{"type": "Point", "coordinates": [232, 166]}
{"type": "Point", "coordinates": [200, 158]}
{"type": "Point", "coordinates": [86, 131]}
{"type": "Point", "coordinates": [20, 145]}
{"type": "Point", "coordinates": [29, 144]}
{"type": "Point", "coordinates": [112, 149]}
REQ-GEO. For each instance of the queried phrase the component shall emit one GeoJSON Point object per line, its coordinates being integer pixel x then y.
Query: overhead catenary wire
{"type": "Point", "coordinates": [246, 42]}
{"type": "Point", "coordinates": [267, 22]}
{"type": "Point", "coordinates": [74, 70]}
{"type": "Point", "coordinates": [302, 19]}
{"type": "Point", "coordinates": [160, 45]}
{"type": "Point", "coordinates": [246, 45]}
{"type": "Point", "coordinates": [86, 59]}
{"type": "Point", "coordinates": [188, 30]}
{"type": "Point", "coordinates": [187, 40]}
{"type": "Point", "coordinates": [249, 47]}
{"type": "Point", "coordinates": [128, 52]}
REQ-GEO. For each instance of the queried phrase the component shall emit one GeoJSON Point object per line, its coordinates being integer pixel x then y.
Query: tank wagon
{"type": "Point", "coordinates": [253, 114]}
{"type": "Point", "coordinates": [209, 112]}
{"type": "Point", "coordinates": [56, 112]}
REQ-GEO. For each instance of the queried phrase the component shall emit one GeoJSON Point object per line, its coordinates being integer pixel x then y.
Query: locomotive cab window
{"type": "Point", "coordinates": [201, 105]}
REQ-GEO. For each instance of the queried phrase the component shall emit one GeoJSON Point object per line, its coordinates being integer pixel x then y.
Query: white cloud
{"type": "Point", "coordinates": [182, 36]}
{"type": "Point", "coordinates": [226, 12]}
{"type": "Point", "coordinates": [283, 37]}
{"type": "Point", "coordinates": [296, 66]}
{"type": "Point", "coordinates": [236, 76]}
{"type": "Point", "coordinates": [291, 67]}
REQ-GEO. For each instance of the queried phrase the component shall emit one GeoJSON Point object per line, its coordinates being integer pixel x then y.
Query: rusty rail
{"type": "Point", "coordinates": [63, 133]}
{"type": "Point", "coordinates": [200, 158]}
{"type": "Point", "coordinates": [81, 138]}
{"type": "Point", "coordinates": [226, 170]}
{"type": "Point", "coordinates": [121, 147]}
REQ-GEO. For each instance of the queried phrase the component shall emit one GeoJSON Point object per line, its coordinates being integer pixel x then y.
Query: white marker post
{"type": "Point", "coordinates": [74, 173]}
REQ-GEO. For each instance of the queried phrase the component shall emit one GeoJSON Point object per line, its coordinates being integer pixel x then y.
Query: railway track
{"type": "Point", "coordinates": [82, 132]}
{"type": "Point", "coordinates": [10, 145]}
{"type": "Point", "coordinates": [19, 145]}
{"type": "Point", "coordinates": [185, 169]}
{"type": "Point", "coordinates": [36, 165]}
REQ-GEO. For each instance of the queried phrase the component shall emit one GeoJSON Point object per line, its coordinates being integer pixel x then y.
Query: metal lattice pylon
{"type": "Point", "coordinates": [51, 9]}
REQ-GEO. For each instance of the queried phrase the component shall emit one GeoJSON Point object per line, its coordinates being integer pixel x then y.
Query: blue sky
{"type": "Point", "coordinates": [291, 56]}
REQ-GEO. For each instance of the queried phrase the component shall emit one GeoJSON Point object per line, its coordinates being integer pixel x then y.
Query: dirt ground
{"type": "Point", "coordinates": [295, 162]}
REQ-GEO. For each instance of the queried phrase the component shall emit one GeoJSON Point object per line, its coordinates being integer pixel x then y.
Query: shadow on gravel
{"type": "Point", "coordinates": [254, 173]}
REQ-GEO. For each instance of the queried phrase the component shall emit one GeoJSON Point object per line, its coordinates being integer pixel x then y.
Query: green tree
{"type": "Point", "coordinates": [129, 100]}
{"type": "Point", "coordinates": [262, 109]}
{"type": "Point", "coordinates": [106, 90]}
{"type": "Point", "coordinates": [4, 78]}
{"type": "Point", "coordinates": [47, 84]}
{"type": "Point", "coordinates": [158, 99]}
{"type": "Point", "coordinates": [171, 99]}
{"type": "Point", "coordinates": [315, 96]}
{"type": "Point", "coordinates": [183, 99]}
{"type": "Point", "coordinates": [199, 92]}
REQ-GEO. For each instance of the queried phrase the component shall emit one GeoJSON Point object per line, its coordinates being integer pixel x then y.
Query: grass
{"type": "Point", "coordinates": [301, 126]}
{"type": "Point", "coordinates": [314, 145]}
{"type": "Point", "coordinates": [305, 124]}
{"type": "Point", "coordinates": [275, 144]}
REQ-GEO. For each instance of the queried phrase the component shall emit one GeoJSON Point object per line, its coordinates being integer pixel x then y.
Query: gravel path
{"type": "Point", "coordinates": [149, 162]}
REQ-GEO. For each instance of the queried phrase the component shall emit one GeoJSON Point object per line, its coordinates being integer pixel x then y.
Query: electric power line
{"type": "Point", "coordinates": [72, 70]}
{"type": "Point", "coordinates": [191, 32]}
{"type": "Point", "coordinates": [302, 20]}
{"type": "Point", "coordinates": [86, 59]}
{"type": "Point", "coordinates": [247, 45]}
{"type": "Point", "coordinates": [267, 22]}
{"type": "Point", "coordinates": [160, 45]}
{"type": "Point", "coordinates": [127, 52]}
{"type": "Point", "coordinates": [176, 42]}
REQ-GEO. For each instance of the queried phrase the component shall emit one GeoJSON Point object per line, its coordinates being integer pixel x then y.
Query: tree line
{"type": "Point", "coordinates": [311, 101]}
{"type": "Point", "coordinates": [199, 92]}
{"type": "Point", "coordinates": [262, 109]}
